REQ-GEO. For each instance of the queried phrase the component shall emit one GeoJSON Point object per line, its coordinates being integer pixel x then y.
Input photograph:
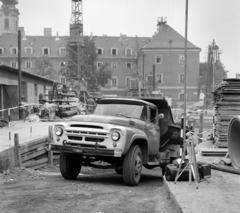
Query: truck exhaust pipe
{"type": "Point", "coordinates": [234, 141]}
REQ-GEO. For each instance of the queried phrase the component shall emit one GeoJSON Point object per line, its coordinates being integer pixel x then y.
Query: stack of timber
{"type": "Point", "coordinates": [214, 152]}
{"type": "Point", "coordinates": [227, 105]}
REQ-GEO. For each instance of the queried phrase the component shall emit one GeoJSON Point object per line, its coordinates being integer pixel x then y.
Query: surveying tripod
{"type": "Point", "coordinates": [192, 162]}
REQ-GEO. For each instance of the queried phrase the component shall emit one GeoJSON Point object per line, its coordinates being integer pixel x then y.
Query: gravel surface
{"type": "Point", "coordinates": [98, 191]}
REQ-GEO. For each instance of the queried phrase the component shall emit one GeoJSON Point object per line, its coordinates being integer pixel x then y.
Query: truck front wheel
{"type": "Point", "coordinates": [132, 166]}
{"type": "Point", "coordinates": [70, 165]}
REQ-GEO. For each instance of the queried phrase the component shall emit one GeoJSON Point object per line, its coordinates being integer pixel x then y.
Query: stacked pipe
{"type": "Point", "coordinates": [227, 105]}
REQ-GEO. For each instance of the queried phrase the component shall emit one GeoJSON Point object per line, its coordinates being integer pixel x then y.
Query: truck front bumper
{"type": "Point", "coordinates": [86, 151]}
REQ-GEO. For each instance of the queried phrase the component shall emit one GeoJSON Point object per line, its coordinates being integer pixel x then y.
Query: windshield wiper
{"type": "Point", "coordinates": [120, 114]}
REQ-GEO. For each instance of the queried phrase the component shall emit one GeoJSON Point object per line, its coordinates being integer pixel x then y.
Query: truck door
{"type": "Point", "coordinates": [153, 131]}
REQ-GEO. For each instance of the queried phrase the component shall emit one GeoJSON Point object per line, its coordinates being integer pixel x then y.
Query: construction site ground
{"type": "Point", "coordinates": [44, 190]}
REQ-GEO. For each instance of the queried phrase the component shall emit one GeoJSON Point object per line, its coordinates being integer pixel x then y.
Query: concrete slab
{"type": "Point", "coordinates": [220, 193]}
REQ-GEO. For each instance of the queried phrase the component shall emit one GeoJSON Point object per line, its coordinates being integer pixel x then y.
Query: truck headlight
{"type": "Point", "coordinates": [58, 131]}
{"type": "Point", "coordinates": [115, 136]}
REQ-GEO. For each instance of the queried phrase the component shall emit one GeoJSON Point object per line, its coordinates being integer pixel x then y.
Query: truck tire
{"type": "Point", "coordinates": [70, 165]}
{"type": "Point", "coordinates": [132, 166]}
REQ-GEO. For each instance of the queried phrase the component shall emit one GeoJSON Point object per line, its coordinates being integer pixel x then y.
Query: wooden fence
{"type": "Point", "coordinates": [35, 154]}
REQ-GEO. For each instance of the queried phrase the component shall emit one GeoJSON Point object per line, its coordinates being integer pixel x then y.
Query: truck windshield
{"type": "Point", "coordinates": [126, 110]}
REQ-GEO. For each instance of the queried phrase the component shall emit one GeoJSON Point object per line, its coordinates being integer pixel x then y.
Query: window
{"type": "Point", "coordinates": [28, 50]}
{"type": "Point", "coordinates": [14, 64]}
{"type": "Point", "coordinates": [62, 64]}
{"type": "Point", "coordinates": [128, 81]}
{"type": "Point", "coordinates": [158, 59]}
{"type": "Point", "coordinates": [181, 59]}
{"type": "Point", "coordinates": [153, 115]}
{"type": "Point", "coordinates": [159, 78]}
{"type": "Point", "coordinates": [99, 64]}
{"type": "Point", "coordinates": [35, 89]}
{"type": "Point", "coordinates": [46, 51]}
{"type": "Point", "coordinates": [28, 64]}
{"type": "Point", "coordinates": [62, 79]}
{"type": "Point", "coordinates": [181, 78]}
{"type": "Point", "coordinates": [129, 65]}
{"type": "Point", "coordinates": [144, 114]}
{"type": "Point", "coordinates": [128, 51]}
{"type": "Point", "coordinates": [114, 51]}
{"type": "Point", "coordinates": [181, 96]}
{"type": "Point", "coordinates": [114, 82]}
{"type": "Point", "coordinates": [62, 51]}
{"type": "Point", "coordinates": [14, 51]}
{"type": "Point", "coordinates": [44, 89]}
{"type": "Point", "coordinates": [100, 51]}
{"type": "Point", "coordinates": [1, 51]}
{"type": "Point", "coordinates": [114, 65]}
{"type": "Point", "coordinates": [6, 23]}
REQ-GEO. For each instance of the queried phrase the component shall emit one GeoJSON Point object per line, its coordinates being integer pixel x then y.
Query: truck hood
{"type": "Point", "coordinates": [117, 120]}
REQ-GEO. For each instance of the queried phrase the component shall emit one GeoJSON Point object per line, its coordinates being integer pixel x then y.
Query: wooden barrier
{"type": "Point", "coordinates": [33, 154]}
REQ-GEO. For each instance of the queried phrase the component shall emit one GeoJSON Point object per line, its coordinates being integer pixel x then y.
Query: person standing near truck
{"type": "Point", "coordinates": [90, 106]}
{"type": "Point", "coordinates": [191, 121]}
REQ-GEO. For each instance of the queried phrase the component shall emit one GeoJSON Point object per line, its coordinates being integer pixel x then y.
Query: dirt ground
{"type": "Point", "coordinates": [94, 191]}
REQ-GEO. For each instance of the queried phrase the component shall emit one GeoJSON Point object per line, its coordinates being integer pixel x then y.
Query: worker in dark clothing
{"type": "Point", "coordinates": [90, 106]}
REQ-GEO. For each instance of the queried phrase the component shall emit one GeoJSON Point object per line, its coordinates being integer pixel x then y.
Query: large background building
{"type": "Point", "coordinates": [127, 57]}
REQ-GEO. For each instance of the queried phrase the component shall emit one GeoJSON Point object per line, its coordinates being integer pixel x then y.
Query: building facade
{"type": "Point", "coordinates": [32, 87]}
{"type": "Point", "coordinates": [131, 59]}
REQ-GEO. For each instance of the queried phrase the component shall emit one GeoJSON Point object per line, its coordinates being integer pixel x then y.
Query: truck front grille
{"type": "Point", "coordinates": [86, 126]}
{"type": "Point", "coordinates": [77, 138]}
{"type": "Point", "coordinates": [86, 133]}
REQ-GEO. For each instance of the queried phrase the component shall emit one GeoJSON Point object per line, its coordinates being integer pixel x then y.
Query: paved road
{"type": "Point", "coordinates": [94, 191]}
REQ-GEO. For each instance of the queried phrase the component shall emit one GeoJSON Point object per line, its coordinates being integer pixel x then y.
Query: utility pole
{"type": "Point", "coordinates": [19, 69]}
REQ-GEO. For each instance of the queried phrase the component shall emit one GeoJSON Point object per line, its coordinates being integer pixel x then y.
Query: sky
{"type": "Point", "coordinates": [207, 20]}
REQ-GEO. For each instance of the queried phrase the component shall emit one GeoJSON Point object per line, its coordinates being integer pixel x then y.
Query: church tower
{"type": "Point", "coordinates": [9, 17]}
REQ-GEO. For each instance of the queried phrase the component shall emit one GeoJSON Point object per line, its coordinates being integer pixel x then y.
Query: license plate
{"type": "Point", "coordinates": [77, 150]}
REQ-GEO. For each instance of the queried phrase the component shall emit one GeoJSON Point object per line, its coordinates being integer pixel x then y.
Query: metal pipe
{"type": "Point", "coordinates": [234, 141]}
{"type": "Point", "coordinates": [154, 77]}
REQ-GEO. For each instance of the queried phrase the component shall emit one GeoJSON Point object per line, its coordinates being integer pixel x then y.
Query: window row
{"type": "Point", "coordinates": [29, 51]}
{"type": "Point", "coordinates": [133, 84]}
{"type": "Point", "coordinates": [159, 59]}
{"type": "Point", "coordinates": [114, 51]}
{"type": "Point", "coordinates": [114, 65]}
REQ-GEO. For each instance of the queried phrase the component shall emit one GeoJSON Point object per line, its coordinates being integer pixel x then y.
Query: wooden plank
{"type": "Point", "coordinates": [17, 155]}
{"type": "Point", "coordinates": [50, 140]}
{"type": "Point", "coordinates": [33, 155]}
{"type": "Point", "coordinates": [213, 150]}
{"type": "Point", "coordinates": [34, 144]}
{"type": "Point", "coordinates": [32, 148]}
{"type": "Point", "coordinates": [35, 162]}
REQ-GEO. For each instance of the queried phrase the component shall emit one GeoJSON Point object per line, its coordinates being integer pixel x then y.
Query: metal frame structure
{"type": "Point", "coordinates": [77, 60]}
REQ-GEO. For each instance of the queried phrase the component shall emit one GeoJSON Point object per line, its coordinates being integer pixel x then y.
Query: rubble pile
{"type": "Point", "coordinates": [227, 105]}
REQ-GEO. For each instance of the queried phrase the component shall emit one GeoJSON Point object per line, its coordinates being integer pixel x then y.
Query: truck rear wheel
{"type": "Point", "coordinates": [70, 165]}
{"type": "Point", "coordinates": [132, 166]}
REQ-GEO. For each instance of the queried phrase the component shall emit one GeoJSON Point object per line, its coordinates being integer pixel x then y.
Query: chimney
{"type": "Point", "coordinates": [47, 31]}
{"type": "Point", "coordinates": [161, 21]}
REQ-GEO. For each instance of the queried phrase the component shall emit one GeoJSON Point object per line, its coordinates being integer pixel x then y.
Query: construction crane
{"type": "Point", "coordinates": [77, 59]}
